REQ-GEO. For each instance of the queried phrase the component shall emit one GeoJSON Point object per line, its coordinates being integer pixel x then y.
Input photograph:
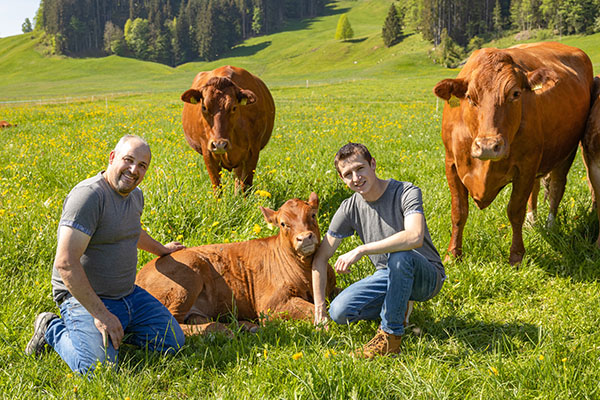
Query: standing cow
{"type": "Point", "coordinates": [228, 117]}
{"type": "Point", "coordinates": [247, 279]}
{"type": "Point", "coordinates": [513, 115]}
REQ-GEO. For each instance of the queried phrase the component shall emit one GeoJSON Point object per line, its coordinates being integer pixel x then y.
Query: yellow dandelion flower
{"type": "Point", "coordinates": [493, 370]}
{"type": "Point", "coordinates": [256, 229]}
{"type": "Point", "coordinates": [265, 353]}
{"type": "Point", "coordinates": [541, 357]}
{"type": "Point", "coordinates": [330, 353]}
{"type": "Point", "coordinates": [215, 223]}
{"type": "Point", "coordinates": [297, 356]}
{"type": "Point", "coordinates": [564, 359]}
{"type": "Point", "coordinates": [263, 193]}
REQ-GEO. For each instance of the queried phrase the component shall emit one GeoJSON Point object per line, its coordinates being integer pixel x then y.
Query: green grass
{"type": "Point", "coordinates": [493, 332]}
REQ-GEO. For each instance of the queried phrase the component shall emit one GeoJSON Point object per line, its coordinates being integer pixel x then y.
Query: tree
{"type": "Point", "coordinates": [344, 30]}
{"type": "Point", "coordinates": [392, 28]}
{"type": "Point", "coordinates": [114, 39]}
{"type": "Point", "coordinates": [137, 37]}
{"type": "Point", "coordinates": [26, 26]}
{"type": "Point", "coordinates": [497, 19]}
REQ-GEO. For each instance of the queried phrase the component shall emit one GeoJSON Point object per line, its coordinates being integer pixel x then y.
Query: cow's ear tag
{"type": "Point", "coordinates": [537, 87]}
{"type": "Point", "coordinates": [193, 100]}
{"type": "Point", "coordinates": [454, 101]}
{"type": "Point", "coordinates": [243, 101]}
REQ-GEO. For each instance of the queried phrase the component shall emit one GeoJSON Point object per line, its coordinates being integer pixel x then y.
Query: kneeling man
{"type": "Point", "coordinates": [388, 217]}
{"type": "Point", "coordinates": [95, 266]}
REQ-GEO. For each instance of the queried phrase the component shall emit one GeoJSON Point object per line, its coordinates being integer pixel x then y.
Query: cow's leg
{"type": "Point", "coordinates": [205, 328]}
{"type": "Point", "coordinates": [245, 172]}
{"type": "Point", "coordinates": [558, 182]}
{"type": "Point", "coordinates": [213, 168]}
{"type": "Point", "coordinates": [295, 308]}
{"type": "Point", "coordinates": [522, 187]}
{"type": "Point", "coordinates": [532, 202]}
{"type": "Point", "coordinates": [460, 211]}
{"type": "Point", "coordinates": [591, 157]}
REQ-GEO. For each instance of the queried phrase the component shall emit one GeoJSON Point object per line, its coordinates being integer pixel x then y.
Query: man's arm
{"type": "Point", "coordinates": [71, 246]}
{"type": "Point", "coordinates": [410, 238]}
{"type": "Point", "coordinates": [319, 275]}
{"type": "Point", "coordinates": [147, 243]}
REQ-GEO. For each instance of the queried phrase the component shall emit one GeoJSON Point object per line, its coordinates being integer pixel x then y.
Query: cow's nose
{"type": "Point", "coordinates": [219, 146]}
{"type": "Point", "coordinates": [489, 148]}
{"type": "Point", "coordinates": [305, 236]}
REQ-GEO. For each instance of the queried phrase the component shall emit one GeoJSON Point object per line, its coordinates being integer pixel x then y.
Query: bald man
{"type": "Point", "coordinates": [95, 266]}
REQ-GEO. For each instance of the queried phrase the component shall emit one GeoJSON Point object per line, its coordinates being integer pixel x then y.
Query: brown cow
{"type": "Point", "coordinates": [513, 115]}
{"type": "Point", "coordinates": [228, 117]}
{"type": "Point", "coordinates": [4, 124]}
{"type": "Point", "coordinates": [591, 147]}
{"type": "Point", "coordinates": [247, 279]}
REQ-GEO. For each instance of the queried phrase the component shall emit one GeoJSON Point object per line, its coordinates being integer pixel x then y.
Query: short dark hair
{"type": "Point", "coordinates": [349, 150]}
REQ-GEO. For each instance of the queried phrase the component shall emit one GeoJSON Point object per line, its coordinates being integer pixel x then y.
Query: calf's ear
{"type": "Point", "coordinates": [270, 215]}
{"type": "Point", "coordinates": [246, 97]}
{"type": "Point", "coordinates": [313, 200]}
{"type": "Point", "coordinates": [541, 78]}
{"type": "Point", "coordinates": [447, 88]}
{"type": "Point", "coordinates": [192, 96]}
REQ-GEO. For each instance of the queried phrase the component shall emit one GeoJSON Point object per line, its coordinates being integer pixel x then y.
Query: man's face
{"type": "Point", "coordinates": [358, 174]}
{"type": "Point", "coordinates": [127, 165]}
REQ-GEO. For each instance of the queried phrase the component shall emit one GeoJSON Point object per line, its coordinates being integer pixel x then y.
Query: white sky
{"type": "Point", "coordinates": [13, 14]}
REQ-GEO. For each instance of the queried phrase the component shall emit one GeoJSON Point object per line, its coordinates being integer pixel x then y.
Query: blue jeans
{"type": "Point", "coordinates": [385, 294]}
{"type": "Point", "coordinates": [146, 323]}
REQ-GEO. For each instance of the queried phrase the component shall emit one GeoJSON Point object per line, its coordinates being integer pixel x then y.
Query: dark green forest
{"type": "Point", "coordinates": [177, 31]}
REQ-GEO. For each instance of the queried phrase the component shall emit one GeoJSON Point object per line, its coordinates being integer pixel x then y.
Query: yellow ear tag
{"type": "Point", "coordinates": [193, 100]}
{"type": "Point", "coordinates": [454, 101]}
{"type": "Point", "coordinates": [537, 87]}
{"type": "Point", "coordinates": [243, 101]}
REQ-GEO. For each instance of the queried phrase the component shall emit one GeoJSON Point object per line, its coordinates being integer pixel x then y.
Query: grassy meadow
{"type": "Point", "coordinates": [493, 332]}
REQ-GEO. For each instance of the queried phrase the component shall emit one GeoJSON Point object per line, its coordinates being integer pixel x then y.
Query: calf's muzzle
{"type": "Point", "coordinates": [489, 148]}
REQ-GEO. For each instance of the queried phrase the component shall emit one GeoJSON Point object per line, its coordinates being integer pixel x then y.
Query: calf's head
{"type": "Point", "coordinates": [490, 92]}
{"type": "Point", "coordinates": [297, 222]}
{"type": "Point", "coordinates": [219, 100]}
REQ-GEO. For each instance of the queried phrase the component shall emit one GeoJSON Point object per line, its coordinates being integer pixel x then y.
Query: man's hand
{"type": "Point", "coordinates": [173, 246]}
{"type": "Point", "coordinates": [321, 317]}
{"type": "Point", "coordinates": [343, 263]}
{"type": "Point", "coordinates": [110, 326]}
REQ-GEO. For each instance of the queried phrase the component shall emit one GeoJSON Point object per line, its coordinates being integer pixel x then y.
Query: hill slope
{"type": "Point", "coordinates": [305, 51]}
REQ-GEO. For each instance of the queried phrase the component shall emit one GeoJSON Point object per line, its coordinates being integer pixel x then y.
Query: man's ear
{"type": "Point", "coordinates": [270, 215]}
{"type": "Point", "coordinates": [111, 157]}
{"type": "Point", "coordinates": [192, 96]}
{"type": "Point", "coordinates": [373, 163]}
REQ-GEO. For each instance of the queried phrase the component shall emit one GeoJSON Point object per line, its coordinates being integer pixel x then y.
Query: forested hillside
{"type": "Point", "coordinates": [177, 31]}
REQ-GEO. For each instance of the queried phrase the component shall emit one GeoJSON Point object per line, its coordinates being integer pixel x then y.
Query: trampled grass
{"type": "Point", "coordinates": [494, 331]}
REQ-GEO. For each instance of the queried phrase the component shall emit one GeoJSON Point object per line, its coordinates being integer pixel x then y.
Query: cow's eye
{"type": "Point", "coordinates": [234, 109]}
{"type": "Point", "coordinates": [204, 109]}
{"type": "Point", "coordinates": [516, 95]}
{"type": "Point", "coordinates": [283, 225]}
{"type": "Point", "coordinates": [470, 100]}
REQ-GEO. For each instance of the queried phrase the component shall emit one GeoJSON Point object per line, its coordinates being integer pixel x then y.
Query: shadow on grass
{"type": "Point", "coordinates": [247, 51]}
{"type": "Point", "coordinates": [573, 251]}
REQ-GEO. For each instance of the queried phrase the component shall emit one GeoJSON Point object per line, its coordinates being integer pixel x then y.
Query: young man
{"type": "Point", "coordinates": [388, 217]}
{"type": "Point", "coordinates": [95, 266]}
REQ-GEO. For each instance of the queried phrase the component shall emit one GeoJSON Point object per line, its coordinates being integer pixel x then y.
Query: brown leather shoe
{"type": "Point", "coordinates": [383, 343]}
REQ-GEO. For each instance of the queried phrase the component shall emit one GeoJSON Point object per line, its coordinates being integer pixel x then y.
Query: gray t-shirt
{"type": "Point", "coordinates": [382, 218]}
{"type": "Point", "coordinates": [113, 224]}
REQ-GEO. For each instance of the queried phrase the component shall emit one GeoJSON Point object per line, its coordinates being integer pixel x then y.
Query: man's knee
{"type": "Point", "coordinates": [92, 357]}
{"type": "Point", "coordinates": [338, 311]}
